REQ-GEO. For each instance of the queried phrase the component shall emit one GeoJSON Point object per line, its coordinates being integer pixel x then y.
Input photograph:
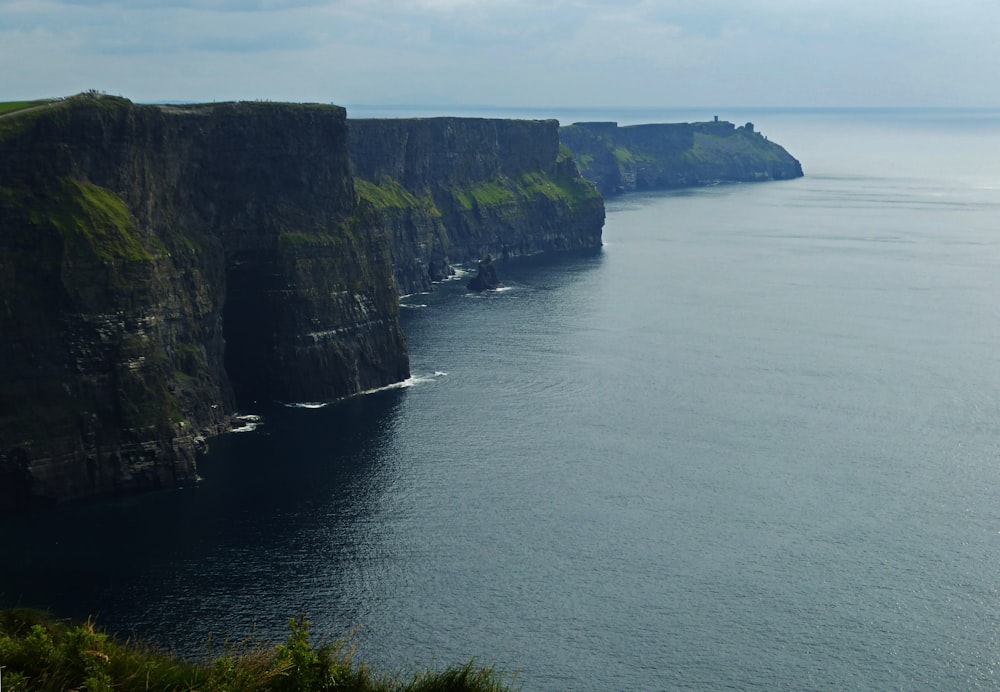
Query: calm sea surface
{"type": "Point", "coordinates": [752, 443]}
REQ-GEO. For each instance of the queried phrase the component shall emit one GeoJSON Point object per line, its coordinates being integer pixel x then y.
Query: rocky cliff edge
{"type": "Point", "coordinates": [161, 264]}
{"type": "Point", "coordinates": [157, 264]}
{"type": "Point", "coordinates": [663, 156]}
{"type": "Point", "coordinates": [456, 190]}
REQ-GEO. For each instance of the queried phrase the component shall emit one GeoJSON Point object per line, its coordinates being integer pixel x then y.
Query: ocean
{"type": "Point", "coordinates": [751, 443]}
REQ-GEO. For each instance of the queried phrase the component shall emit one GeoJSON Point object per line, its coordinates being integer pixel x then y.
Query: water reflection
{"type": "Point", "coordinates": [319, 511]}
{"type": "Point", "coordinates": [237, 552]}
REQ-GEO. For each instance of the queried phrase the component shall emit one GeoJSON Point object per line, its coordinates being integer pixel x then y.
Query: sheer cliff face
{"type": "Point", "coordinates": [160, 264]}
{"type": "Point", "coordinates": [661, 156]}
{"type": "Point", "coordinates": [452, 190]}
{"type": "Point", "coordinates": [153, 260]}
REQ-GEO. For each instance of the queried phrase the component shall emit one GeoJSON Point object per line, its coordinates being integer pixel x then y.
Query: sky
{"type": "Point", "coordinates": [513, 53]}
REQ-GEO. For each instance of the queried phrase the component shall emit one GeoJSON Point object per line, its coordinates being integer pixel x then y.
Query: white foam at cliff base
{"type": "Point", "coordinates": [411, 381]}
{"type": "Point", "coordinates": [459, 273]}
{"type": "Point", "coordinates": [250, 423]}
{"type": "Point", "coordinates": [488, 291]}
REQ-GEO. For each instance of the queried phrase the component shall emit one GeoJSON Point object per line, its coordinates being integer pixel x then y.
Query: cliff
{"type": "Point", "coordinates": [454, 190]}
{"type": "Point", "coordinates": [662, 156]}
{"type": "Point", "coordinates": [159, 264]}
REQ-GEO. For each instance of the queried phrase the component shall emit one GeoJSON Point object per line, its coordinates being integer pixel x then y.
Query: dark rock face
{"type": "Point", "coordinates": [662, 156]}
{"type": "Point", "coordinates": [452, 190]}
{"type": "Point", "coordinates": [486, 278]}
{"type": "Point", "coordinates": [161, 264]}
{"type": "Point", "coordinates": [157, 264]}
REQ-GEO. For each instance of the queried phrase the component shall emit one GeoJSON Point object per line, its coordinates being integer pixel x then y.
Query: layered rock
{"type": "Point", "coordinates": [161, 264]}
{"type": "Point", "coordinates": [485, 278]}
{"type": "Point", "coordinates": [662, 156]}
{"type": "Point", "coordinates": [455, 190]}
{"type": "Point", "coordinates": [155, 260]}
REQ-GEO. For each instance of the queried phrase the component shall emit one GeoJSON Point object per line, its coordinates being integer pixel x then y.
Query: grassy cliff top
{"type": "Point", "coordinates": [15, 114]}
{"type": "Point", "coordinates": [7, 107]}
{"type": "Point", "coordinates": [43, 654]}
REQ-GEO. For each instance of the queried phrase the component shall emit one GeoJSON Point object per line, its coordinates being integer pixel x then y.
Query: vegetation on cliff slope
{"type": "Point", "coordinates": [388, 194]}
{"type": "Point", "coordinates": [71, 247]}
{"type": "Point", "coordinates": [569, 190]}
{"type": "Point", "coordinates": [40, 653]}
{"type": "Point", "coordinates": [497, 192]}
{"type": "Point", "coordinates": [565, 185]}
{"type": "Point", "coordinates": [11, 106]}
{"type": "Point", "coordinates": [662, 156]}
{"type": "Point", "coordinates": [87, 217]}
{"type": "Point", "coordinates": [18, 116]}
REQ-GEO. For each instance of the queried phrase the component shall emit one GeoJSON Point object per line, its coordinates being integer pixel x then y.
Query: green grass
{"type": "Point", "coordinates": [11, 106]}
{"type": "Point", "coordinates": [562, 187]}
{"type": "Point", "coordinates": [491, 193]}
{"type": "Point", "coordinates": [17, 117]}
{"type": "Point", "coordinates": [568, 189]}
{"type": "Point", "coordinates": [87, 217]}
{"type": "Point", "coordinates": [623, 155]}
{"type": "Point", "coordinates": [709, 149]}
{"type": "Point", "coordinates": [45, 655]}
{"type": "Point", "coordinates": [387, 195]}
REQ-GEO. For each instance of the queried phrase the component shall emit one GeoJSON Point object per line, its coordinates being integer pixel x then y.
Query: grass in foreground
{"type": "Point", "coordinates": [40, 653]}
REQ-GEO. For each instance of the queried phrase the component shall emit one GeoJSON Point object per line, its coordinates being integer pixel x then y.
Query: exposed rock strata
{"type": "Point", "coordinates": [662, 156]}
{"type": "Point", "coordinates": [453, 190]}
{"type": "Point", "coordinates": [485, 278]}
{"type": "Point", "coordinates": [154, 259]}
{"type": "Point", "coordinates": [159, 264]}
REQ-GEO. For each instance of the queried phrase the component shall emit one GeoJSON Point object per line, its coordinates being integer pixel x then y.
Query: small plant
{"type": "Point", "coordinates": [305, 669]}
{"type": "Point", "coordinates": [82, 655]}
{"type": "Point", "coordinates": [44, 655]}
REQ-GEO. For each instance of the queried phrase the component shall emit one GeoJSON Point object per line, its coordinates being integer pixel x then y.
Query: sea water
{"type": "Point", "coordinates": [752, 443]}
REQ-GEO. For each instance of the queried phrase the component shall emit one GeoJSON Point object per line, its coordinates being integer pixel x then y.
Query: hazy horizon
{"type": "Point", "coordinates": [512, 53]}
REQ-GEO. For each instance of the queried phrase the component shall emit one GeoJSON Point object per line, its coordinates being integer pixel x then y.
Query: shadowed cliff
{"type": "Point", "coordinates": [663, 156]}
{"type": "Point", "coordinates": [161, 265]}
{"type": "Point", "coordinates": [158, 264]}
{"type": "Point", "coordinates": [454, 190]}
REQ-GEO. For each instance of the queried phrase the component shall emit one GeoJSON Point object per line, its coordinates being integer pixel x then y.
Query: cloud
{"type": "Point", "coordinates": [581, 52]}
{"type": "Point", "coordinates": [196, 5]}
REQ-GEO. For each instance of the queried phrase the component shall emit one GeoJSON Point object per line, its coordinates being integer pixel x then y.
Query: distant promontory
{"type": "Point", "coordinates": [161, 266]}
{"type": "Point", "coordinates": [664, 156]}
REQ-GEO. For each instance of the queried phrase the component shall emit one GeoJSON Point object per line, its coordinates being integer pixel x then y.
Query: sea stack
{"type": "Point", "coordinates": [486, 279]}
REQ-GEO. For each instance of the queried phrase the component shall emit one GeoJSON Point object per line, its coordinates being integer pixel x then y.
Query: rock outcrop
{"type": "Point", "coordinates": [663, 156]}
{"type": "Point", "coordinates": [485, 278]}
{"type": "Point", "coordinates": [158, 264]}
{"type": "Point", "coordinates": [161, 264]}
{"type": "Point", "coordinates": [453, 190]}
